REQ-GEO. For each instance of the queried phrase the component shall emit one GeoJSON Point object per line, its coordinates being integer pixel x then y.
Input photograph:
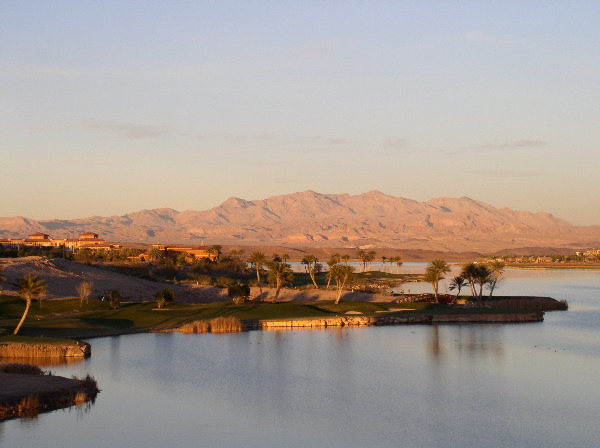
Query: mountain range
{"type": "Point", "coordinates": [372, 219]}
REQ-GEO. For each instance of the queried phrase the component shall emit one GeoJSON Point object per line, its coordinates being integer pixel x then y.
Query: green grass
{"type": "Point", "coordinates": [64, 319]}
{"type": "Point", "coordinates": [18, 339]}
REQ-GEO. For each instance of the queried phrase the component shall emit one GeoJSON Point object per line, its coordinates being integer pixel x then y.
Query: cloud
{"type": "Point", "coordinates": [479, 36]}
{"type": "Point", "coordinates": [394, 143]}
{"type": "Point", "coordinates": [503, 146]}
{"type": "Point", "coordinates": [507, 172]}
{"type": "Point", "coordinates": [518, 144]}
{"type": "Point", "coordinates": [127, 130]}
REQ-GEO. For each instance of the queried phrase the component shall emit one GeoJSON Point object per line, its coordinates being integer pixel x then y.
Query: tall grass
{"type": "Point", "coordinates": [216, 325]}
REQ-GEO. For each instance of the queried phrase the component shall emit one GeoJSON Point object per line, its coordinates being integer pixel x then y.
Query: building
{"type": "Point", "coordinates": [87, 240]}
{"type": "Point", "coordinates": [194, 252]}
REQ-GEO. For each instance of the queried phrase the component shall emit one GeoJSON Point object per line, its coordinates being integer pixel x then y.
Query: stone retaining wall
{"type": "Point", "coordinates": [342, 321]}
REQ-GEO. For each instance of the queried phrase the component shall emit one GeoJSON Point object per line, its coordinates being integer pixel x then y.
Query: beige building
{"type": "Point", "coordinates": [87, 240]}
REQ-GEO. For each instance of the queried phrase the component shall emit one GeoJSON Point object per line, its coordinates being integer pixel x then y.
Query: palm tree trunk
{"type": "Point", "coordinates": [312, 277]}
{"type": "Point", "coordinates": [27, 305]}
{"type": "Point", "coordinates": [258, 279]}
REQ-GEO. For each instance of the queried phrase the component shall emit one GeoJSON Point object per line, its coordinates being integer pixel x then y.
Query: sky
{"type": "Point", "coordinates": [117, 106]}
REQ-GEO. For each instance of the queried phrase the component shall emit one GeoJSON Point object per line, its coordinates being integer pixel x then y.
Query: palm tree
{"type": "Point", "coordinates": [333, 260]}
{"type": "Point", "coordinates": [280, 274]}
{"type": "Point", "coordinates": [345, 258]}
{"type": "Point", "coordinates": [215, 250]}
{"type": "Point", "coordinates": [342, 273]}
{"type": "Point", "coordinates": [285, 258]}
{"type": "Point", "coordinates": [399, 264]}
{"type": "Point", "coordinates": [483, 276]}
{"type": "Point", "coordinates": [497, 268]}
{"type": "Point", "coordinates": [363, 257]}
{"type": "Point", "coordinates": [312, 266]}
{"type": "Point", "coordinates": [29, 287]}
{"type": "Point", "coordinates": [434, 273]}
{"type": "Point", "coordinates": [257, 259]}
{"type": "Point", "coordinates": [468, 272]}
{"type": "Point", "coordinates": [383, 260]}
{"type": "Point", "coordinates": [370, 257]}
{"type": "Point", "coordinates": [457, 283]}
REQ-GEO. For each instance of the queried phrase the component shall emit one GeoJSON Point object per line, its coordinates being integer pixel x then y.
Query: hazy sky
{"type": "Point", "coordinates": [109, 107]}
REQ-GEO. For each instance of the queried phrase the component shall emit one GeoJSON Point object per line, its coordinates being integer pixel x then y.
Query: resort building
{"type": "Point", "coordinates": [87, 240]}
{"type": "Point", "coordinates": [194, 252]}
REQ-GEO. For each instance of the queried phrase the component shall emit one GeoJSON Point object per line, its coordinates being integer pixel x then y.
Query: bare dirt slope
{"type": "Point", "coordinates": [63, 276]}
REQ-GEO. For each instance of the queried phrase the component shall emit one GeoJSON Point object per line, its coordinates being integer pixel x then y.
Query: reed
{"type": "Point", "coordinates": [198, 326]}
{"type": "Point", "coordinates": [225, 325]}
{"type": "Point", "coordinates": [216, 325]}
{"type": "Point", "coordinates": [29, 406]}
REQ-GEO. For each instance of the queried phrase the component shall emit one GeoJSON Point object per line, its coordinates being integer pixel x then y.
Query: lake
{"type": "Point", "coordinates": [522, 385]}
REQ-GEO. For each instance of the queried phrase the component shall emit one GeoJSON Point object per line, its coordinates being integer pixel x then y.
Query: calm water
{"type": "Point", "coordinates": [528, 385]}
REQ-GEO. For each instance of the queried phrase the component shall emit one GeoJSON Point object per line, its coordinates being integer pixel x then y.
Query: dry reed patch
{"type": "Point", "coordinates": [225, 325]}
{"type": "Point", "coordinates": [216, 325]}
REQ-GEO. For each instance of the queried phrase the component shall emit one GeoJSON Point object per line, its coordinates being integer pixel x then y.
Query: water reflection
{"type": "Point", "coordinates": [473, 340]}
{"type": "Point", "coordinates": [42, 361]}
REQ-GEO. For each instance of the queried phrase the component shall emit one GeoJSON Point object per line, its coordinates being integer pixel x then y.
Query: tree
{"type": "Point", "coordinates": [364, 258]}
{"type": "Point", "coordinates": [2, 277]}
{"type": "Point", "coordinates": [285, 258]}
{"type": "Point", "coordinates": [483, 276]}
{"type": "Point", "coordinates": [383, 260]}
{"type": "Point", "coordinates": [257, 260]}
{"type": "Point", "coordinates": [115, 299]}
{"type": "Point", "coordinates": [238, 292]}
{"type": "Point", "coordinates": [276, 257]}
{"type": "Point", "coordinates": [468, 272]}
{"type": "Point", "coordinates": [398, 264]}
{"type": "Point", "coordinates": [164, 298]}
{"type": "Point", "coordinates": [84, 291]}
{"type": "Point", "coordinates": [333, 260]}
{"type": "Point", "coordinates": [345, 258]}
{"type": "Point", "coordinates": [370, 257]}
{"type": "Point", "coordinates": [434, 273]}
{"type": "Point", "coordinates": [214, 251]}
{"type": "Point", "coordinates": [312, 266]}
{"type": "Point", "coordinates": [497, 268]}
{"type": "Point", "coordinates": [155, 254]}
{"type": "Point", "coordinates": [457, 283]}
{"type": "Point", "coordinates": [29, 287]}
{"type": "Point", "coordinates": [343, 274]}
{"type": "Point", "coordinates": [279, 274]}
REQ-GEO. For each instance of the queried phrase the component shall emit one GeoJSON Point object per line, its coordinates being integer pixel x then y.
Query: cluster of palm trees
{"type": "Point", "coordinates": [476, 276]}
{"type": "Point", "coordinates": [472, 275]}
{"type": "Point", "coordinates": [279, 273]}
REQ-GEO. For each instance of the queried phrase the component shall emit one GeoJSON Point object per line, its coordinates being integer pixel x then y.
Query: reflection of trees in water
{"type": "Point", "coordinates": [474, 340]}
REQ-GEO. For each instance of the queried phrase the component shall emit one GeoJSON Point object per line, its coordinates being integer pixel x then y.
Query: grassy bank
{"type": "Point", "coordinates": [97, 319]}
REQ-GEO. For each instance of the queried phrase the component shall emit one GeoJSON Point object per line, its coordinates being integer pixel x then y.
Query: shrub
{"type": "Point", "coordinates": [238, 292]}
{"type": "Point", "coordinates": [26, 369]}
{"type": "Point", "coordinates": [223, 282]}
{"type": "Point", "coordinates": [115, 299]}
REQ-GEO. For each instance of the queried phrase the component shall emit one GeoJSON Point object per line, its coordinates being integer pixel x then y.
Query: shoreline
{"type": "Point", "coordinates": [25, 396]}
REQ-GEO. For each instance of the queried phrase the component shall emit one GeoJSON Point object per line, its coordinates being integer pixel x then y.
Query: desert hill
{"type": "Point", "coordinates": [372, 219]}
